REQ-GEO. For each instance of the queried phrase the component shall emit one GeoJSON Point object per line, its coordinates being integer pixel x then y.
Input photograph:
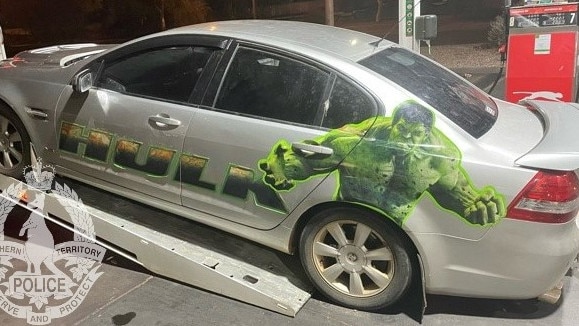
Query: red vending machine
{"type": "Point", "coordinates": [542, 52]}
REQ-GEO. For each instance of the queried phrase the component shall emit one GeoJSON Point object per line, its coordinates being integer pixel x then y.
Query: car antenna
{"type": "Point", "coordinates": [377, 43]}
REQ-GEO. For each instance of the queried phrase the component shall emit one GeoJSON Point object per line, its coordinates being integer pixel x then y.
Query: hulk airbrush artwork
{"type": "Point", "coordinates": [388, 163]}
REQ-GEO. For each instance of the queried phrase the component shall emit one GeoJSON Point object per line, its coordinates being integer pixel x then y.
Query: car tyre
{"type": "Point", "coordinates": [14, 144]}
{"type": "Point", "coordinates": [356, 258]}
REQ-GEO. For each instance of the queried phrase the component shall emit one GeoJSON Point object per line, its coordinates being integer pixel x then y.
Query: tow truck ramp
{"type": "Point", "coordinates": [187, 251]}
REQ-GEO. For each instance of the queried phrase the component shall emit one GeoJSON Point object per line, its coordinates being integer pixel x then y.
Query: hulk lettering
{"type": "Point", "coordinates": [388, 163]}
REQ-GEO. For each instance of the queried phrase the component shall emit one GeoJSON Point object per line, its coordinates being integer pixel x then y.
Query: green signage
{"type": "Point", "coordinates": [409, 18]}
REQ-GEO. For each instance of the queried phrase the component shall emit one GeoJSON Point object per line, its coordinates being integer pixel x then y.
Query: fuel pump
{"type": "Point", "coordinates": [542, 53]}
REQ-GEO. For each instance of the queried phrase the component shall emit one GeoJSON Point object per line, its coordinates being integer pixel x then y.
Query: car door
{"type": "Point", "coordinates": [265, 101]}
{"type": "Point", "coordinates": [128, 130]}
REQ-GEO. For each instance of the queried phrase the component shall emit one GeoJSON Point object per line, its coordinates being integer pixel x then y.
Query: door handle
{"type": "Point", "coordinates": [312, 151]}
{"type": "Point", "coordinates": [37, 113]}
{"type": "Point", "coordinates": [163, 120]}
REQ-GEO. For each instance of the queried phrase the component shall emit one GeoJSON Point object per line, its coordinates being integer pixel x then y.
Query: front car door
{"type": "Point", "coordinates": [267, 105]}
{"type": "Point", "coordinates": [128, 130]}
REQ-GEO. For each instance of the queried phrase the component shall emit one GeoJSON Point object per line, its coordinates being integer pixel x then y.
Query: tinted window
{"type": "Point", "coordinates": [347, 104]}
{"type": "Point", "coordinates": [469, 107]}
{"type": "Point", "coordinates": [269, 85]}
{"type": "Point", "coordinates": [169, 73]}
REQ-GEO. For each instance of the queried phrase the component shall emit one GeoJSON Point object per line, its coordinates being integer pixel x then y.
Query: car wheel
{"type": "Point", "coordinates": [14, 144]}
{"type": "Point", "coordinates": [356, 258]}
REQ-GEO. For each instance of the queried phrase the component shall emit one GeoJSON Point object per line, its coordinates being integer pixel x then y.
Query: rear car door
{"type": "Point", "coordinates": [266, 102]}
{"type": "Point", "coordinates": [128, 130]}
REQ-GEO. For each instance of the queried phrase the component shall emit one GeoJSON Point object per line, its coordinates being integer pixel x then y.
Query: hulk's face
{"type": "Point", "coordinates": [408, 136]}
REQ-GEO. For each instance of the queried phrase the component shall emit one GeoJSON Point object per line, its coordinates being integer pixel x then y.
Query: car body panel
{"type": "Point", "coordinates": [122, 145]}
{"type": "Point", "coordinates": [232, 149]}
{"type": "Point", "coordinates": [462, 267]}
{"type": "Point", "coordinates": [558, 149]}
{"type": "Point", "coordinates": [347, 44]}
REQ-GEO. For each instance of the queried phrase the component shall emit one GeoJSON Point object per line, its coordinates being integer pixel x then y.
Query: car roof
{"type": "Point", "coordinates": [305, 38]}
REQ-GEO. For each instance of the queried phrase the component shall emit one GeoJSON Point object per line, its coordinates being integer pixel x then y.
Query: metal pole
{"type": "Point", "coordinates": [329, 5]}
{"type": "Point", "coordinates": [2, 50]}
{"type": "Point", "coordinates": [253, 9]}
{"type": "Point", "coordinates": [408, 10]}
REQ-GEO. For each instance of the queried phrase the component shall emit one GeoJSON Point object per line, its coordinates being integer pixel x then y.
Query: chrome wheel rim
{"type": "Point", "coordinates": [353, 259]}
{"type": "Point", "coordinates": [11, 146]}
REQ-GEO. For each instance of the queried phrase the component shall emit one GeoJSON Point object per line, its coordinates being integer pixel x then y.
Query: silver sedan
{"type": "Point", "coordinates": [374, 164]}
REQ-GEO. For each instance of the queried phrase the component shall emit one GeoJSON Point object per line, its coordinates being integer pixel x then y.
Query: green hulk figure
{"type": "Point", "coordinates": [389, 163]}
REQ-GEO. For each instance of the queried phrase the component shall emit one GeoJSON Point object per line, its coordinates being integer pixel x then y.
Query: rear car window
{"type": "Point", "coordinates": [347, 104]}
{"type": "Point", "coordinates": [467, 106]}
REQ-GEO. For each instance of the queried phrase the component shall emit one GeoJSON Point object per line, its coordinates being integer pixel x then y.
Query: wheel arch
{"type": "Point", "coordinates": [32, 133]}
{"type": "Point", "coordinates": [415, 290]}
{"type": "Point", "coordinates": [307, 216]}
{"type": "Point", "coordinates": [16, 140]}
{"type": "Point", "coordinates": [4, 102]}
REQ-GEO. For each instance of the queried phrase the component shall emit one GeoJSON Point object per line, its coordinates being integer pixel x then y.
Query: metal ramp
{"type": "Point", "coordinates": [189, 252]}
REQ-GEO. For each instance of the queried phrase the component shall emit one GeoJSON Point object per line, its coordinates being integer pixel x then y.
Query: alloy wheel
{"type": "Point", "coordinates": [353, 259]}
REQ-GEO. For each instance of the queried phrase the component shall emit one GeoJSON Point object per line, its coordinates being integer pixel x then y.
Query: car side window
{"type": "Point", "coordinates": [268, 85]}
{"type": "Point", "coordinates": [168, 73]}
{"type": "Point", "coordinates": [347, 104]}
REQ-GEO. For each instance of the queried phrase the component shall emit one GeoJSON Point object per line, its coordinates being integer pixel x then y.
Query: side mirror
{"type": "Point", "coordinates": [82, 82]}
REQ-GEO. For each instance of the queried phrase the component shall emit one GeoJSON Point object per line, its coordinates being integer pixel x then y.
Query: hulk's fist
{"type": "Point", "coordinates": [486, 208]}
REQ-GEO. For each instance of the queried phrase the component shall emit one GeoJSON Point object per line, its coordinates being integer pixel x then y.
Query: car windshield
{"type": "Point", "coordinates": [467, 106]}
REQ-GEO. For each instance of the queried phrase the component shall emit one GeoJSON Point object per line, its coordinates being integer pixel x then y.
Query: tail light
{"type": "Point", "coordinates": [550, 197]}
